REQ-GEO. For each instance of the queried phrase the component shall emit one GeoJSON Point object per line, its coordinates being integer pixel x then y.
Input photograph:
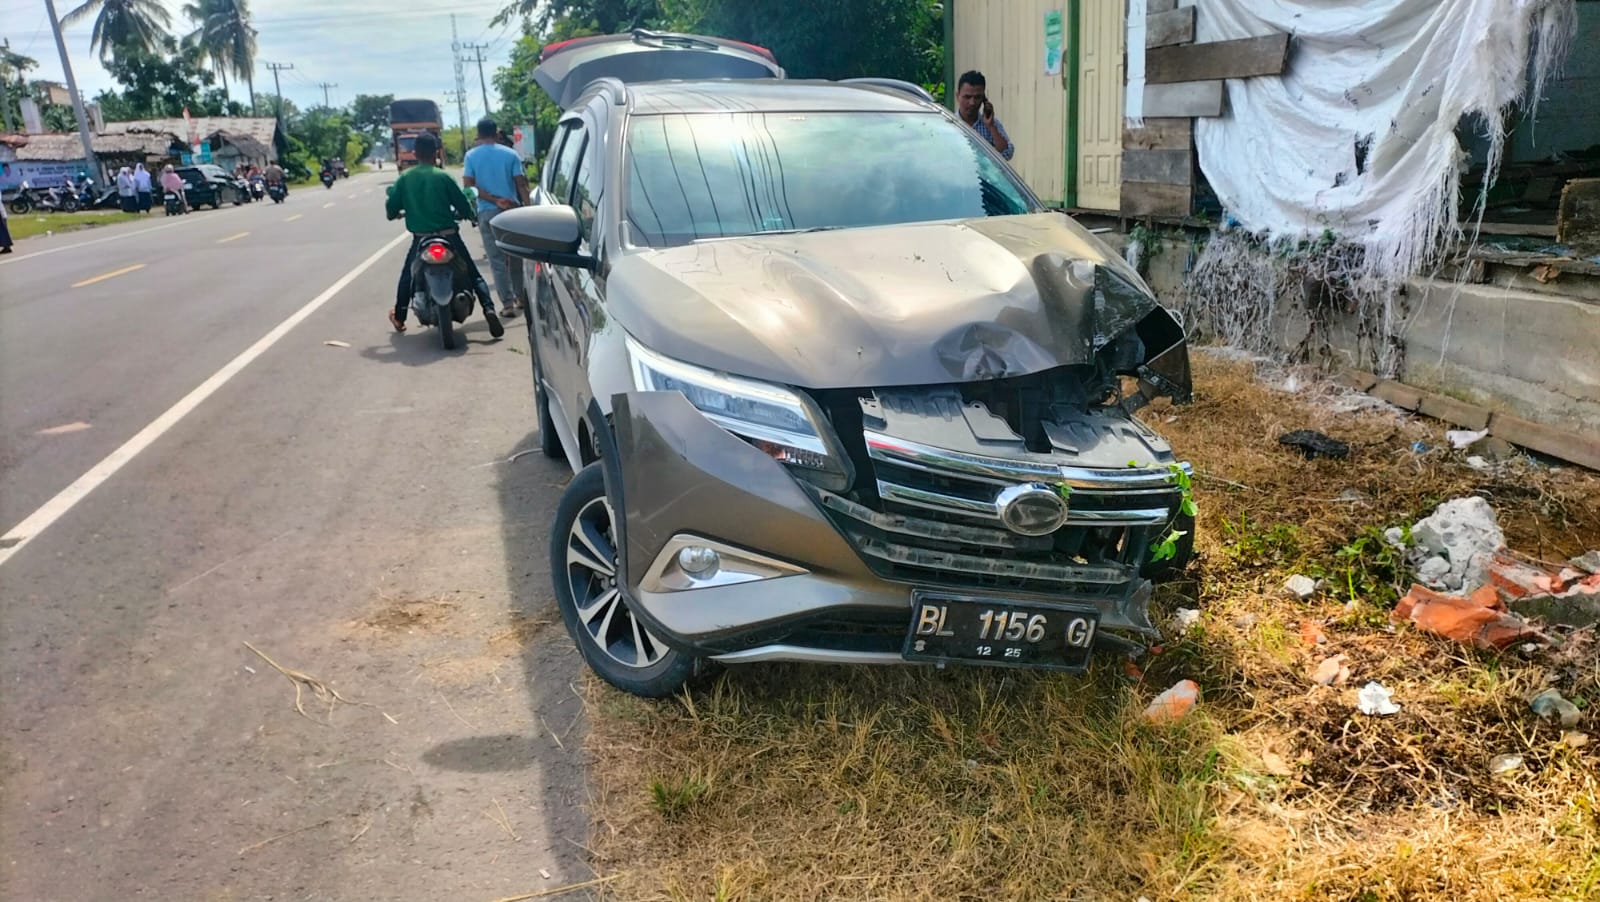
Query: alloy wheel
{"type": "Point", "coordinates": [592, 576]}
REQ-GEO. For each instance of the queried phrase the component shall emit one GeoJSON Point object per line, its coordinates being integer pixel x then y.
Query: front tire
{"type": "Point", "coordinates": [615, 644]}
{"type": "Point", "coordinates": [21, 206]}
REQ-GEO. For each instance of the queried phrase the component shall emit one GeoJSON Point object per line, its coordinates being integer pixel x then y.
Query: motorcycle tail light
{"type": "Point", "coordinates": [437, 253]}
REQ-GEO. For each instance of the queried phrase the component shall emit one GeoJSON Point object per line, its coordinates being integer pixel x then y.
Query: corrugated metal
{"type": "Point", "coordinates": [1004, 39]}
{"type": "Point", "coordinates": [1100, 72]}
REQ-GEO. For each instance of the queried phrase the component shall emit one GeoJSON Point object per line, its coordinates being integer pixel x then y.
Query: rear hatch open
{"type": "Point", "coordinates": [567, 67]}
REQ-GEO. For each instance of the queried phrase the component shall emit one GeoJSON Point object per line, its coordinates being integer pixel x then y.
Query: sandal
{"type": "Point", "coordinates": [398, 323]}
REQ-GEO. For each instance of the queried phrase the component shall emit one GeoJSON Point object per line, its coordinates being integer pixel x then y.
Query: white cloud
{"type": "Point", "coordinates": [363, 46]}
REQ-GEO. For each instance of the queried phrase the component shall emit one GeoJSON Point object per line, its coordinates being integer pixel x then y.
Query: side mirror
{"type": "Point", "coordinates": [548, 234]}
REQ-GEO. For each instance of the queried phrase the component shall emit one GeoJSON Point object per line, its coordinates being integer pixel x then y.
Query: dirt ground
{"type": "Point", "coordinates": [794, 782]}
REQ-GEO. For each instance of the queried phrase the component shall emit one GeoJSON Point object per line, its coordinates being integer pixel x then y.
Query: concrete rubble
{"type": "Point", "coordinates": [1479, 619]}
{"type": "Point", "coordinates": [1452, 547]}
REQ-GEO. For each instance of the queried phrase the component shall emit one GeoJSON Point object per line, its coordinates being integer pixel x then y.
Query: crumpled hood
{"type": "Point", "coordinates": [915, 304]}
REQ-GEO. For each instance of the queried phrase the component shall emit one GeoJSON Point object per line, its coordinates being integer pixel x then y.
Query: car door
{"type": "Point", "coordinates": [557, 351]}
{"type": "Point", "coordinates": [580, 291]}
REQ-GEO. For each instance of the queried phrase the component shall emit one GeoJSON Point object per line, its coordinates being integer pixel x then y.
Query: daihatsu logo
{"type": "Point", "coordinates": [1033, 509]}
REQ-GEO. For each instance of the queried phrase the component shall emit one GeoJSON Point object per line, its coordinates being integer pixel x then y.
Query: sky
{"type": "Point", "coordinates": [401, 47]}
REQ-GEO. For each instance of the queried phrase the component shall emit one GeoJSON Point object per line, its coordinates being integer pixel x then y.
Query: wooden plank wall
{"type": "Point", "coordinates": [1183, 80]}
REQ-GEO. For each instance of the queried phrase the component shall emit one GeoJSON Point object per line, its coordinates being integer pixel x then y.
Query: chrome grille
{"type": "Point", "coordinates": [937, 522]}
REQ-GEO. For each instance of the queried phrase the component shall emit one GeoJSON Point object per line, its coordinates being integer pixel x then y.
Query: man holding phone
{"type": "Point", "coordinates": [972, 103]}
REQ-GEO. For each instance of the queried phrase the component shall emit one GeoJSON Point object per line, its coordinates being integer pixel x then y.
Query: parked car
{"type": "Point", "coordinates": [208, 184]}
{"type": "Point", "coordinates": [836, 387]}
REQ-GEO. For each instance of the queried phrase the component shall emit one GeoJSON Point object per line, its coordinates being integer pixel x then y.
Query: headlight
{"type": "Point", "coordinates": [782, 423]}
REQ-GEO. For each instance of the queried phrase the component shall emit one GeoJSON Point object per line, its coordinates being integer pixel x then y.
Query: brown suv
{"type": "Point", "coordinates": [836, 388]}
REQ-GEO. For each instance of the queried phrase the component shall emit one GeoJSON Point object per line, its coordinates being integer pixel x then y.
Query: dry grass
{"type": "Point", "coordinates": [798, 783]}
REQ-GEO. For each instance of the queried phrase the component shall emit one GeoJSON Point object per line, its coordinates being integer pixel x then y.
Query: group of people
{"type": "Point", "coordinates": [134, 187]}
{"type": "Point", "coordinates": [431, 202]}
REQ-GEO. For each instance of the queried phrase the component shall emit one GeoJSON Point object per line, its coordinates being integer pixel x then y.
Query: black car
{"type": "Point", "coordinates": [207, 184]}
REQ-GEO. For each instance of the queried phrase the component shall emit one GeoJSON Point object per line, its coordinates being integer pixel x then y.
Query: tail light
{"type": "Point", "coordinates": [437, 253]}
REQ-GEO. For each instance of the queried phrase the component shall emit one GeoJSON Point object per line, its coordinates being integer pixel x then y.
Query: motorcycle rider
{"type": "Point", "coordinates": [430, 200]}
{"type": "Point", "coordinates": [274, 175]}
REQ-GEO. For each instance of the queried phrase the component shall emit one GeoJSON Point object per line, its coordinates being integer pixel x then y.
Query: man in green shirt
{"type": "Point", "coordinates": [431, 200]}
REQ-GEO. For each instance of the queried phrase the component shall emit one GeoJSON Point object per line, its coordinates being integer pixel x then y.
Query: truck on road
{"type": "Point", "coordinates": [407, 119]}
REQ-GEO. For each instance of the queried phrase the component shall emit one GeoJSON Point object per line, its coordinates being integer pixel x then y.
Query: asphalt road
{"type": "Point", "coordinates": [354, 513]}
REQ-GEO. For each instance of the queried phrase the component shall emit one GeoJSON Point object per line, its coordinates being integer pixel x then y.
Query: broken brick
{"type": "Point", "coordinates": [1479, 619]}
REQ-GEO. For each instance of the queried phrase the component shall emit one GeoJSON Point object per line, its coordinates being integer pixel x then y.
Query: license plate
{"type": "Point", "coordinates": [985, 631]}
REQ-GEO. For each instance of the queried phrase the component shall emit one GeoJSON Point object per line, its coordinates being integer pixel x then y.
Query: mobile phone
{"type": "Point", "coordinates": [988, 108]}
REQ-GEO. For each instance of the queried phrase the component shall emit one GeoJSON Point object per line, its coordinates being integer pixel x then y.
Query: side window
{"type": "Point", "coordinates": [567, 166]}
{"type": "Point", "coordinates": [587, 191]}
{"type": "Point", "coordinates": [547, 174]}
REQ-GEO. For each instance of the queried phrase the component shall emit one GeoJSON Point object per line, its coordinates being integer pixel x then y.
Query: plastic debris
{"type": "Point", "coordinates": [1174, 704]}
{"type": "Point", "coordinates": [1573, 739]}
{"type": "Point", "coordinates": [1480, 619]}
{"type": "Point", "coordinates": [1334, 671]}
{"type": "Point", "coordinates": [1374, 699]}
{"type": "Point", "coordinates": [1505, 764]}
{"type": "Point", "coordinates": [1453, 546]}
{"type": "Point", "coordinates": [1549, 703]}
{"type": "Point", "coordinates": [335, 343]}
{"type": "Point", "coordinates": [1461, 439]}
{"type": "Point", "coordinates": [1477, 463]}
{"type": "Point", "coordinates": [1314, 444]}
{"type": "Point", "coordinates": [1419, 447]}
{"type": "Point", "coordinates": [1301, 587]}
{"type": "Point", "coordinates": [1186, 619]}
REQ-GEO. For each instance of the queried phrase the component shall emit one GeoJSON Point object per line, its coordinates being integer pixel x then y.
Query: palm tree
{"type": "Point", "coordinates": [123, 24]}
{"type": "Point", "coordinates": [224, 35]}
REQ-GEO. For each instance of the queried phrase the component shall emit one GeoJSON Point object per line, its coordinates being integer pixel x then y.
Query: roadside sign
{"type": "Point", "coordinates": [522, 139]}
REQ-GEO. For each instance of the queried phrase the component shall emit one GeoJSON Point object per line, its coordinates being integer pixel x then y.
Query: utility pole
{"type": "Point", "coordinates": [477, 57]}
{"type": "Point", "coordinates": [278, 88]}
{"type": "Point", "coordinates": [72, 86]}
{"type": "Point", "coordinates": [460, 97]}
{"type": "Point", "coordinates": [325, 86]}
{"type": "Point", "coordinates": [5, 107]}
{"type": "Point", "coordinates": [461, 83]}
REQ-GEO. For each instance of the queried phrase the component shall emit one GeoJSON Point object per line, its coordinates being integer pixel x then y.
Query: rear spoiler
{"type": "Point", "coordinates": [644, 36]}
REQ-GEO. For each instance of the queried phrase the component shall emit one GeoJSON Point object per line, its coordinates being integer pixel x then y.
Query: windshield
{"type": "Point", "coordinates": [717, 175]}
{"type": "Point", "coordinates": [408, 144]}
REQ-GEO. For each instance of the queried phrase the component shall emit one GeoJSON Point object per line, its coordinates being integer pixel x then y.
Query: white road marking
{"type": "Point", "coordinates": [294, 217]}
{"type": "Point", "coordinates": [351, 197]}
{"type": "Point", "coordinates": [110, 275]}
{"type": "Point", "coordinates": [232, 238]}
{"type": "Point", "coordinates": [57, 507]}
{"type": "Point", "coordinates": [327, 205]}
{"type": "Point", "coordinates": [79, 426]}
{"type": "Point", "coordinates": [56, 250]}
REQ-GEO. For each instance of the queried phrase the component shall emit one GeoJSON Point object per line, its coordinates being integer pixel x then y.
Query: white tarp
{"type": "Point", "coordinates": [1391, 76]}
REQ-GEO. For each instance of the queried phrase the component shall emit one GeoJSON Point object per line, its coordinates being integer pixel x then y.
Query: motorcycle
{"type": "Point", "coordinates": [327, 179]}
{"type": "Point", "coordinates": [173, 203]}
{"type": "Point", "coordinates": [277, 192]}
{"type": "Point", "coordinates": [258, 188]}
{"type": "Point", "coordinates": [29, 198]}
{"type": "Point", "coordinates": [442, 288]}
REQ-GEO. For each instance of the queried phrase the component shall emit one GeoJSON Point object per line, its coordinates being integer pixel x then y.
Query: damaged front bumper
{"type": "Point", "coordinates": [803, 573]}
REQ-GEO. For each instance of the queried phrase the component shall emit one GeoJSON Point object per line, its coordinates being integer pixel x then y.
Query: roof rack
{"type": "Point", "coordinates": [906, 87]}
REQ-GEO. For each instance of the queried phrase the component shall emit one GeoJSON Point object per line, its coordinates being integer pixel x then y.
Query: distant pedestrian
{"type": "Point", "coordinates": [141, 184]}
{"type": "Point", "coordinates": [127, 190]}
{"type": "Point", "coordinates": [972, 102]}
{"type": "Point", "coordinates": [5, 230]}
{"type": "Point", "coordinates": [495, 170]}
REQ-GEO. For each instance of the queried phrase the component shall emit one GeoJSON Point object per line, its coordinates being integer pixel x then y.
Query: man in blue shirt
{"type": "Point", "coordinates": [496, 172]}
{"type": "Point", "coordinates": [972, 102]}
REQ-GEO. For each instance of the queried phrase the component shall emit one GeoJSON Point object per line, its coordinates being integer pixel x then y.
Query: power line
{"type": "Point", "coordinates": [325, 86]}
{"type": "Point", "coordinates": [461, 82]}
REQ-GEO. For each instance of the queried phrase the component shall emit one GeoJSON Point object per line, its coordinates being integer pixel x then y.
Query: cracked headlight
{"type": "Point", "coordinates": [782, 423]}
